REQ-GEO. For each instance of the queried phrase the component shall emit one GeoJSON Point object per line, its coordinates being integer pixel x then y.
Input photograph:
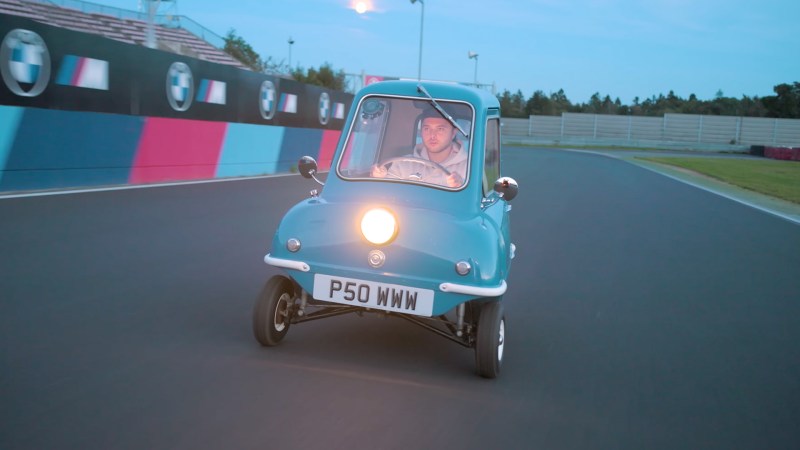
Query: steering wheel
{"type": "Point", "coordinates": [414, 160]}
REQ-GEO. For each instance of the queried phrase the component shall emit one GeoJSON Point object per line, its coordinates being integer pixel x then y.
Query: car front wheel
{"type": "Point", "coordinates": [272, 310]}
{"type": "Point", "coordinates": [490, 341]}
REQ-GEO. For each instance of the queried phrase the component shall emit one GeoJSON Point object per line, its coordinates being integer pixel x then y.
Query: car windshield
{"type": "Point", "coordinates": [408, 140]}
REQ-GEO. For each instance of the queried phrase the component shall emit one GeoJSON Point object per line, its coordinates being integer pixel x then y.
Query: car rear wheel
{"type": "Point", "coordinates": [490, 341]}
{"type": "Point", "coordinates": [271, 313]}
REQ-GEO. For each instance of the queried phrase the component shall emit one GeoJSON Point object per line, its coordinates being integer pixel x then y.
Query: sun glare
{"type": "Point", "coordinates": [361, 6]}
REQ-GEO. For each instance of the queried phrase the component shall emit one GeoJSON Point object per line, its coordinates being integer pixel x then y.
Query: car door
{"type": "Point", "coordinates": [497, 212]}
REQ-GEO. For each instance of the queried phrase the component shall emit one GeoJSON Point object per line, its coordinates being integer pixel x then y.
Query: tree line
{"type": "Point", "coordinates": [784, 104]}
{"type": "Point", "coordinates": [325, 76]}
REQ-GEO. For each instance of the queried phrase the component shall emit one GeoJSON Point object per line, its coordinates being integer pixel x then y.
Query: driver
{"type": "Point", "coordinates": [439, 145]}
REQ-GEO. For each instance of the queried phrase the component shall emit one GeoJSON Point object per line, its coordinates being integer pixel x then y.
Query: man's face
{"type": "Point", "coordinates": [437, 134]}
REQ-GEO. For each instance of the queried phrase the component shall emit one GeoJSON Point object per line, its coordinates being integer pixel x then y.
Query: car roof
{"type": "Point", "coordinates": [479, 98]}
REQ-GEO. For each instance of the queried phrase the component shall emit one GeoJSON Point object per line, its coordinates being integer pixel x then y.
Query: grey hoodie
{"type": "Point", "coordinates": [455, 163]}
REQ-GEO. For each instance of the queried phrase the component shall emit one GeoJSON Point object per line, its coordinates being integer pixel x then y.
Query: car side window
{"type": "Point", "coordinates": [491, 163]}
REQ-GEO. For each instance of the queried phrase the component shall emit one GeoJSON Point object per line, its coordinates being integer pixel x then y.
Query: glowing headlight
{"type": "Point", "coordinates": [378, 226]}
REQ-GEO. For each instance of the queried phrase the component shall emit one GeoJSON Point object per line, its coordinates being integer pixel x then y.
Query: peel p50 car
{"type": "Point", "coordinates": [412, 221]}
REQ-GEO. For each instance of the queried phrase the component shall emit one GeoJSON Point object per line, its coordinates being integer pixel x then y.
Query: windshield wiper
{"type": "Point", "coordinates": [441, 110]}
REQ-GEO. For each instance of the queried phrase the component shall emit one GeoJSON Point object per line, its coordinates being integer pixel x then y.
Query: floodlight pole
{"type": "Point", "coordinates": [150, 33]}
{"type": "Point", "coordinates": [291, 42]}
{"type": "Point", "coordinates": [475, 57]}
{"type": "Point", "coordinates": [421, 23]}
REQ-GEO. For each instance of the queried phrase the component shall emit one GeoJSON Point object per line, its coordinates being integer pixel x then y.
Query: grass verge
{"type": "Point", "coordinates": [779, 179]}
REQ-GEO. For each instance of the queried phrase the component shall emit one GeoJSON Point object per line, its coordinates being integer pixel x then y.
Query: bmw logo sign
{"type": "Point", "coordinates": [324, 108]}
{"type": "Point", "coordinates": [180, 86]}
{"type": "Point", "coordinates": [266, 100]}
{"type": "Point", "coordinates": [24, 63]}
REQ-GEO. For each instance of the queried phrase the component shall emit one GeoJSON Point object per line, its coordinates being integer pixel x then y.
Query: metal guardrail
{"type": "Point", "coordinates": [165, 20]}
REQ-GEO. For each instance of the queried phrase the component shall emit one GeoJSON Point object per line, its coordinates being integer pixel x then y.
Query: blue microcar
{"type": "Point", "coordinates": [411, 222]}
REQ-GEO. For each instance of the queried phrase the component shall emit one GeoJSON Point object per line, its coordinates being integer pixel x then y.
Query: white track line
{"type": "Point", "coordinates": [137, 186]}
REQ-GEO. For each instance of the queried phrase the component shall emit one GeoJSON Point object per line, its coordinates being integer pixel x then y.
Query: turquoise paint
{"type": "Point", "coordinates": [10, 117]}
{"type": "Point", "coordinates": [250, 150]}
{"type": "Point", "coordinates": [67, 71]}
{"type": "Point", "coordinates": [64, 149]}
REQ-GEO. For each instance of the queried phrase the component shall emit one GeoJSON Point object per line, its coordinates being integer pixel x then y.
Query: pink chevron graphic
{"type": "Point", "coordinates": [330, 138]}
{"type": "Point", "coordinates": [177, 149]}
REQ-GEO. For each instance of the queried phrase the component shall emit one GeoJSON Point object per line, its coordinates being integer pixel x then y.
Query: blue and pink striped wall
{"type": "Point", "coordinates": [51, 149]}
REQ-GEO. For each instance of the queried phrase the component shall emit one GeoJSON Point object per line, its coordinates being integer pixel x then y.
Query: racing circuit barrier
{"type": "Point", "coordinates": [80, 110]}
{"type": "Point", "coordinates": [49, 149]}
{"type": "Point", "coordinates": [782, 153]}
{"type": "Point", "coordinates": [684, 131]}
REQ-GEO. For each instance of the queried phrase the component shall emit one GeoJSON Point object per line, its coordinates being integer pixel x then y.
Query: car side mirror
{"type": "Point", "coordinates": [506, 187]}
{"type": "Point", "coordinates": [308, 168]}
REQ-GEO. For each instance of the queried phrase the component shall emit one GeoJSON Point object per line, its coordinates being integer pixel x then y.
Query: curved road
{"type": "Point", "coordinates": [642, 313]}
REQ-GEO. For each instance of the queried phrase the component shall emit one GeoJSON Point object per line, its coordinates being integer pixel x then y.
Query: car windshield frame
{"type": "Point", "coordinates": [388, 126]}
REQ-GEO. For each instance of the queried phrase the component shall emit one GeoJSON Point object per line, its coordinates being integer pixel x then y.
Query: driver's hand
{"type": "Point", "coordinates": [379, 171]}
{"type": "Point", "coordinates": [454, 180]}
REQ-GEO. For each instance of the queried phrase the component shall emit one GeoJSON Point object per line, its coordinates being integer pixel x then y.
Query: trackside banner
{"type": "Point", "coordinates": [49, 67]}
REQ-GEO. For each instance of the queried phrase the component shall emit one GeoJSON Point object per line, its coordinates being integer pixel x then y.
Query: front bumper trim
{"type": "Point", "coordinates": [286, 263]}
{"type": "Point", "coordinates": [474, 290]}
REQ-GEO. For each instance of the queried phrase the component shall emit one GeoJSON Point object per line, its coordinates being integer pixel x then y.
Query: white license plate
{"type": "Point", "coordinates": [369, 294]}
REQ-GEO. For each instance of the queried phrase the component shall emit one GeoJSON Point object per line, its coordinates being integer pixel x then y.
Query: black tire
{"type": "Point", "coordinates": [271, 313]}
{"type": "Point", "coordinates": [490, 341]}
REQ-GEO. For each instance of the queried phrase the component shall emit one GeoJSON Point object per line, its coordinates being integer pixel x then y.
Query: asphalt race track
{"type": "Point", "coordinates": [642, 314]}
